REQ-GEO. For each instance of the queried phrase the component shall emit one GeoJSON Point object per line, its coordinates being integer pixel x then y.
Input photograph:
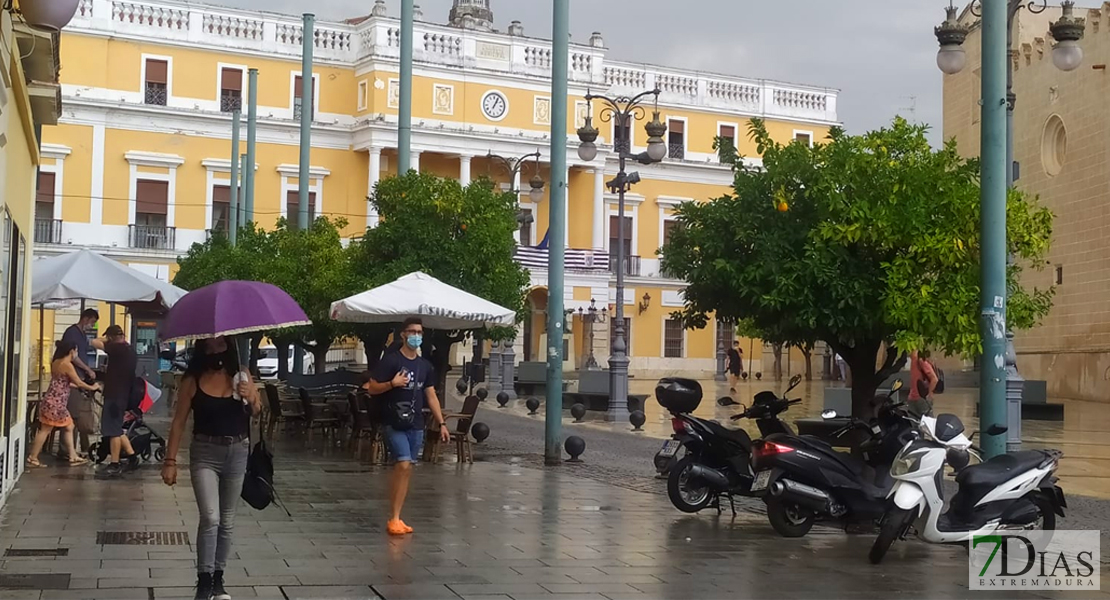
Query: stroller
{"type": "Point", "coordinates": [143, 437]}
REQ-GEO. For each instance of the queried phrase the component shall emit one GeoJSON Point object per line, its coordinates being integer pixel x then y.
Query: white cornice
{"type": "Point", "coordinates": [154, 159]}
{"type": "Point", "coordinates": [219, 165]}
{"type": "Point", "coordinates": [55, 151]}
{"type": "Point", "coordinates": [671, 201]}
{"type": "Point", "coordinates": [629, 199]}
{"type": "Point", "coordinates": [295, 171]}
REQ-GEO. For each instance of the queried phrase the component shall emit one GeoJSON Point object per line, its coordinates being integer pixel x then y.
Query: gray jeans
{"type": "Point", "coordinates": [217, 472]}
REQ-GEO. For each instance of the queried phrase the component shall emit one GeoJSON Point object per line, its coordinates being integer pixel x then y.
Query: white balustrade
{"type": "Point", "coordinates": [85, 9]}
{"type": "Point", "coordinates": [156, 17]}
{"type": "Point", "coordinates": [227, 26]}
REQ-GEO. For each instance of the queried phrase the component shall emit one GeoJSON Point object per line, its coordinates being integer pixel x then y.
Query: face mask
{"type": "Point", "coordinates": [215, 362]}
{"type": "Point", "coordinates": [415, 341]}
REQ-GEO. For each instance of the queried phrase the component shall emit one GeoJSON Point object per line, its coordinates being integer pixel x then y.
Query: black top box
{"type": "Point", "coordinates": [678, 395]}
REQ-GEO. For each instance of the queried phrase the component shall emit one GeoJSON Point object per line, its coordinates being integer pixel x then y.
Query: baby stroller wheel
{"type": "Point", "coordinates": [95, 454]}
{"type": "Point", "coordinates": [160, 454]}
{"type": "Point", "coordinates": [145, 455]}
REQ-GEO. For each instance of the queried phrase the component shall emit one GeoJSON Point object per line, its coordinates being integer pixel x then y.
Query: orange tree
{"type": "Point", "coordinates": [868, 242]}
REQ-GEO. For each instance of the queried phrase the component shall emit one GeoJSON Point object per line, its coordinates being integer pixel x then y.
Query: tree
{"type": "Point", "coordinates": [463, 236]}
{"type": "Point", "coordinates": [864, 241]}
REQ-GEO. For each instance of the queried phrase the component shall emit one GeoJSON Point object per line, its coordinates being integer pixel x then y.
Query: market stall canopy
{"type": "Point", "coordinates": [439, 305]}
{"type": "Point", "coordinates": [86, 275]}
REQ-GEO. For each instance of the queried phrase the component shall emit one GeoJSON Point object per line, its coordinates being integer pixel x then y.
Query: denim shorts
{"type": "Point", "coordinates": [405, 446]}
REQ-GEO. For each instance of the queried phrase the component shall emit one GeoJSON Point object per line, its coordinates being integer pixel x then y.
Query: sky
{"type": "Point", "coordinates": [881, 54]}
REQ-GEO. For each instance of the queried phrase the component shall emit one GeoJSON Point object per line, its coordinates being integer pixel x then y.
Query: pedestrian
{"type": "Point", "coordinates": [53, 409]}
{"type": "Point", "coordinates": [923, 378]}
{"type": "Point", "coordinates": [405, 382]}
{"type": "Point", "coordinates": [735, 364]}
{"type": "Point", "coordinates": [218, 454]}
{"type": "Point", "coordinates": [77, 335]}
{"type": "Point", "coordinates": [119, 383]}
{"type": "Point", "coordinates": [845, 372]}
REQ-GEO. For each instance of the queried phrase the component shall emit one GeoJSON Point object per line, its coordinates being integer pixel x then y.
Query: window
{"type": "Point", "coordinates": [1059, 274]}
{"type": "Point", "coordinates": [728, 132]}
{"type": "Point", "coordinates": [622, 137]}
{"type": "Point", "coordinates": [231, 90]}
{"type": "Point", "coordinates": [221, 208]}
{"type": "Point", "coordinates": [676, 139]}
{"type": "Point", "coordinates": [46, 230]}
{"type": "Point", "coordinates": [804, 137]}
{"type": "Point", "coordinates": [150, 230]}
{"type": "Point", "coordinates": [298, 101]}
{"type": "Point", "coordinates": [363, 94]}
{"type": "Point", "coordinates": [614, 233]}
{"type": "Point", "coordinates": [726, 334]}
{"type": "Point", "coordinates": [526, 227]}
{"type": "Point", "coordinates": [674, 338]}
{"type": "Point", "coordinates": [293, 207]}
{"type": "Point", "coordinates": [669, 226]}
{"type": "Point", "coordinates": [7, 259]}
{"type": "Point", "coordinates": [627, 333]}
{"type": "Point", "coordinates": [157, 80]}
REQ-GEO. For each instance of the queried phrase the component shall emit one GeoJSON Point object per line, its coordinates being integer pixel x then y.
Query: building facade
{"type": "Point", "coordinates": [29, 100]}
{"type": "Point", "coordinates": [140, 164]}
{"type": "Point", "coordinates": [1063, 151]}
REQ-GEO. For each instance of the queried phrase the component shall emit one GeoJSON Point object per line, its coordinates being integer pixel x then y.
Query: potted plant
{"type": "Point", "coordinates": [52, 15]}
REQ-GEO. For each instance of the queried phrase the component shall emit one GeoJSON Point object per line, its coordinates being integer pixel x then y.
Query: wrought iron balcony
{"type": "Point", "coordinates": [155, 94]}
{"type": "Point", "coordinates": [631, 265]}
{"type": "Point", "coordinates": [48, 231]}
{"type": "Point", "coordinates": [231, 102]}
{"type": "Point", "coordinates": [676, 150]}
{"type": "Point", "coordinates": [152, 237]}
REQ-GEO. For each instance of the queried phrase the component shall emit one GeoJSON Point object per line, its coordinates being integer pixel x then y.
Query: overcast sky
{"type": "Point", "coordinates": [880, 53]}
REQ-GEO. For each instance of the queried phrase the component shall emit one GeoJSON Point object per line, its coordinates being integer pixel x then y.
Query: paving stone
{"type": "Point", "coordinates": [330, 592]}
{"type": "Point", "coordinates": [415, 592]}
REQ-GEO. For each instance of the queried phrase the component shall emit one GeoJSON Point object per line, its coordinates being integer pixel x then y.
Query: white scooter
{"type": "Point", "coordinates": [1009, 492]}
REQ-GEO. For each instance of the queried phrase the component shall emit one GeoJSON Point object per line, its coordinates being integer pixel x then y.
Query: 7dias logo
{"type": "Point", "coordinates": [1035, 560]}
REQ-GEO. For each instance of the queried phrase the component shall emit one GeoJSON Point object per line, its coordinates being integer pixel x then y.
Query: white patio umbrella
{"type": "Point", "coordinates": [439, 305]}
{"type": "Point", "coordinates": [86, 275]}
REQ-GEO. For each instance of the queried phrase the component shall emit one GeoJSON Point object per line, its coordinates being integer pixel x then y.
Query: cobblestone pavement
{"type": "Point", "coordinates": [502, 529]}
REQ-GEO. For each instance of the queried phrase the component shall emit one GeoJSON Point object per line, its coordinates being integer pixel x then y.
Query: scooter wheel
{"type": "Point", "coordinates": [789, 520]}
{"type": "Point", "coordinates": [684, 494]}
{"type": "Point", "coordinates": [894, 525]}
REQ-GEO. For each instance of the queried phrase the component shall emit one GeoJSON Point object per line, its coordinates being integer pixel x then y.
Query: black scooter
{"type": "Point", "coordinates": [718, 460]}
{"type": "Point", "coordinates": [803, 479]}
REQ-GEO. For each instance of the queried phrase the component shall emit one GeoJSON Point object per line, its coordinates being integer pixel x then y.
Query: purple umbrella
{"type": "Point", "coordinates": [231, 308]}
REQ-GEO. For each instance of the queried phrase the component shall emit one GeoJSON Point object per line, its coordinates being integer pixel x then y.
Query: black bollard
{"type": "Point", "coordinates": [482, 393]}
{"type": "Point", "coordinates": [533, 405]}
{"type": "Point", "coordinates": [575, 446]}
{"type": "Point", "coordinates": [502, 399]}
{"type": "Point", "coordinates": [759, 375]}
{"type": "Point", "coordinates": [480, 431]}
{"type": "Point", "coordinates": [460, 385]}
{"type": "Point", "coordinates": [744, 376]}
{"type": "Point", "coordinates": [637, 418]}
{"type": "Point", "coordinates": [578, 411]}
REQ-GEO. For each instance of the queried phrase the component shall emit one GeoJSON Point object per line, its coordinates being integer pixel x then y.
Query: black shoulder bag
{"type": "Point", "coordinates": [258, 485]}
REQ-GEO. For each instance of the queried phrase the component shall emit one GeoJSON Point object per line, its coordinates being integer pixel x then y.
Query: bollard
{"type": "Point", "coordinates": [638, 418]}
{"type": "Point", "coordinates": [480, 431]}
{"type": "Point", "coordinates": [575, 446]}
{"type": "Point", "coordinates": [578, 411]}
{"type": "Point", "coordinates": [533, 405]}
{"type": "Point", "coordinates": [502, 398]}
{"type": "Point", "coordinates": [460, 385]}
{"type": "Point", "coordinates": [482, 393]}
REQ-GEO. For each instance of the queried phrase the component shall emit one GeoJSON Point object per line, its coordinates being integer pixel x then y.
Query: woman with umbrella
{"type": "Point", "coordinates": [222, 399]}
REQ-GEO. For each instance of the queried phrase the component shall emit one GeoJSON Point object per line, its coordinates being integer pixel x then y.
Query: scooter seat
{"type": "Point", "coordinates": [737, 435]}
{"type": "Point", "coordinates": [1000, 469]}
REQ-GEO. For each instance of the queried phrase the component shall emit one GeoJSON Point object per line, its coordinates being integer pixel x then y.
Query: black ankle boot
{"type": "Point", "coordinates": [218, 591]}
{"type": "Point", "coordinates": [204, 586]}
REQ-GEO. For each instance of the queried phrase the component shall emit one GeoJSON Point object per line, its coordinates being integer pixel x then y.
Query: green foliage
{"type": "Point", "coordinates": [859, 241]}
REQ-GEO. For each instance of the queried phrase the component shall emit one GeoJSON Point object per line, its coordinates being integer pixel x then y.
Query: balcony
{"type": "Point", "coordinates": [631, 266]}
{"type": "Point", "coordinates": [676, 151]}
{"type": "Point", "coordinates": [155, 94]}
{"type": "Point", "coordinates": [48, 231]}
{"type": "Point", "coordinates": [151, 237]}
{"type": "Point", "coordinates": [535, 259]}
{"type": "Point", "coordinates": [231, 102]}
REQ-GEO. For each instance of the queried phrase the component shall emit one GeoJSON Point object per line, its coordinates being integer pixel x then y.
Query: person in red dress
{"type": "Point", "coordinates": [53, 410]}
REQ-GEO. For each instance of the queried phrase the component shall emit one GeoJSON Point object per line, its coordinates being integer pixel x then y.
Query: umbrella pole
{"type": "Point", "coordinates": [42, 338]}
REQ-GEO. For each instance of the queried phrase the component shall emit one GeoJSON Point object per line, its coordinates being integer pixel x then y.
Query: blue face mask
{"type": "Point", "coordinates": [415, 341]}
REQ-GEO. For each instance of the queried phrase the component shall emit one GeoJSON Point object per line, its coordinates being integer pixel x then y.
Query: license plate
{"type": "Point", "coordinates": [670, 448]}
{"type": "Point", "coordinates": [761, 480]}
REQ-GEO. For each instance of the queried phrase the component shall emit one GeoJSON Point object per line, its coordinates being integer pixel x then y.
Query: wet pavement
{"type": "Point", "coordinates": [503, 528]}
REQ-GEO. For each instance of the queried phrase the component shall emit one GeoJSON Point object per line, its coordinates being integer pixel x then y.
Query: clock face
{"type": "Point", "coordinates": [495, 106]}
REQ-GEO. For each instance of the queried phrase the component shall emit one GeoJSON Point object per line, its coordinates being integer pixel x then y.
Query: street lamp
{"type": "Point", "coordinates": [1067, 55]}
{"type": "Point", "coordinates": [590, 317]}
{"type": "Point", "coordinates": [514, 165]}
{"type": "Point", "coordinates": [623, 112]}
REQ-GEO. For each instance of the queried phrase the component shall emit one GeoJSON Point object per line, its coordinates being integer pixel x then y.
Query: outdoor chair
{"type": "Point", "coordinates": [460, 436]}
{"type": "Point", "coordinates": [364, 426]}
{"type": "Point", "coordinates": [317, 414]}
{"type": "Point", "coordinates": [277, 411]}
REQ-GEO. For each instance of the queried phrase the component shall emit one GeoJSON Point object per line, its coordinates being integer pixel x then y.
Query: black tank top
{"type": "Point", "coordinates": [219, 417]}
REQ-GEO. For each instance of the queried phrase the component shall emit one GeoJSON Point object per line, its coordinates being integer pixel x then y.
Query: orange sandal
{"type": "Point", "coordinates": [398, 527]}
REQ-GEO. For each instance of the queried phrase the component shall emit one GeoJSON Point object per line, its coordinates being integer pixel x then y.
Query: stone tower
{"type": "Point", "coordinates": [472, 14]}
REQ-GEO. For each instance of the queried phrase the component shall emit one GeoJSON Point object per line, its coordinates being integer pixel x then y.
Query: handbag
{"type": "Point", "coordinates": [402, 413]}
{"type": "Point", "coordinates": [258, 484]}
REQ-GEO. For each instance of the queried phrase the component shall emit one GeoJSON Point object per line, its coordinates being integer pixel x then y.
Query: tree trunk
{"type": "Point", "coordinates": [777, 348]}
{"type": "Point", "coordinates": [808, 353]}
{"type": "Point", "coordinates": [282, 345]}
{"type": "Point", "coordinates": [865, 378]}
{"type": "Point", "coordinates": [320, 357]}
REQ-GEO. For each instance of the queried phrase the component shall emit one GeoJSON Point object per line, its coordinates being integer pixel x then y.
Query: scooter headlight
{"type": "Point", "coordinates": [905, 464]}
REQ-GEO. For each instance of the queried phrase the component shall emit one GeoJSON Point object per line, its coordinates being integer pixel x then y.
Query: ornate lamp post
{"type": "Point", "coordinates": [590, 317]}
{"type": "Point", "coordinates": [623, 112]}
{"type": "Point", "coordinates": [1067, 55]}
{"type": "Point", "coordinates": [503, 361]}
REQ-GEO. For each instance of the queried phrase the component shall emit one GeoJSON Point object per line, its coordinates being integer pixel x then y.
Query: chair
{"type": "Point", "coordinates": [363, 426]}
{"type": "Point", "coordinates": [277, 411]}
{"type": "Point", "coordinates": [460, 436]}
{"type": "Point", "coordinates": [317, 414]}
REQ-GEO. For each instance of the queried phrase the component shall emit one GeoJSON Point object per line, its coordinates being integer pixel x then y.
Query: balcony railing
{"type": "Point", "coordinates": [631, 265]}
{"type": "Point", "coordinates": [48, 231]}
{"type": "Point", "coordinates": [155, 94]}
{"type": "Point", "coordinates": [574, 260]}
{"type": "Point", "coordinates": [676, 151]}
{"type": "Point", "coordinates": [230, 102]}
{"type": "Point", "coordinates": [152, 237]}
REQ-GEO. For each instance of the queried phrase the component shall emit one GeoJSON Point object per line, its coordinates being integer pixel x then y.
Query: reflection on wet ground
{"type": "Point", "coordinates": [1083, 435]}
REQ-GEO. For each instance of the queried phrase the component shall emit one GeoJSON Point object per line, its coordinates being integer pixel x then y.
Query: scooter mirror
{"type": "Point", "coordinates": [997, 430]}
{"type": "Point", "coordinates": [828, 414]}
{"type": "Point", "coordinates": [794, 381]}
{"type": "Point", "coordinates": [897, 385]}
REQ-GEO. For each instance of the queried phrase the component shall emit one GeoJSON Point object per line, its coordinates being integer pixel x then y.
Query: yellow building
{"type": "Point", "coordinates": [140, 165]}
{"type": "Point", "coordinates": [1060, 129]}
{"type": "Point", "coordinates": [29, 99]}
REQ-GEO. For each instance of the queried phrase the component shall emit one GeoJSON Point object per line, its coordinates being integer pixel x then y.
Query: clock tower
{"type": "Point", "coordinates": [472, 14]}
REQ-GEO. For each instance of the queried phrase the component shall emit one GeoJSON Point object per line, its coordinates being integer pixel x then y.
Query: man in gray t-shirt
{"type": "Point", "coordinates": [76, 334]}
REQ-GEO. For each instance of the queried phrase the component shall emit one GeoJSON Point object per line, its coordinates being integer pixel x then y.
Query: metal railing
{"type": "Point", "coordinates": [48, 231]}
{"type": "Point", "coordinates": [676, 150]}
{"type": "Point", "coordinates": [631, 265]}
{"type": "Point", "coordinates": [155, 94]}
{"type": "Point", "coordinates": [152, 237]}
{"type": "Point", "coordinates": [231, 101]}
